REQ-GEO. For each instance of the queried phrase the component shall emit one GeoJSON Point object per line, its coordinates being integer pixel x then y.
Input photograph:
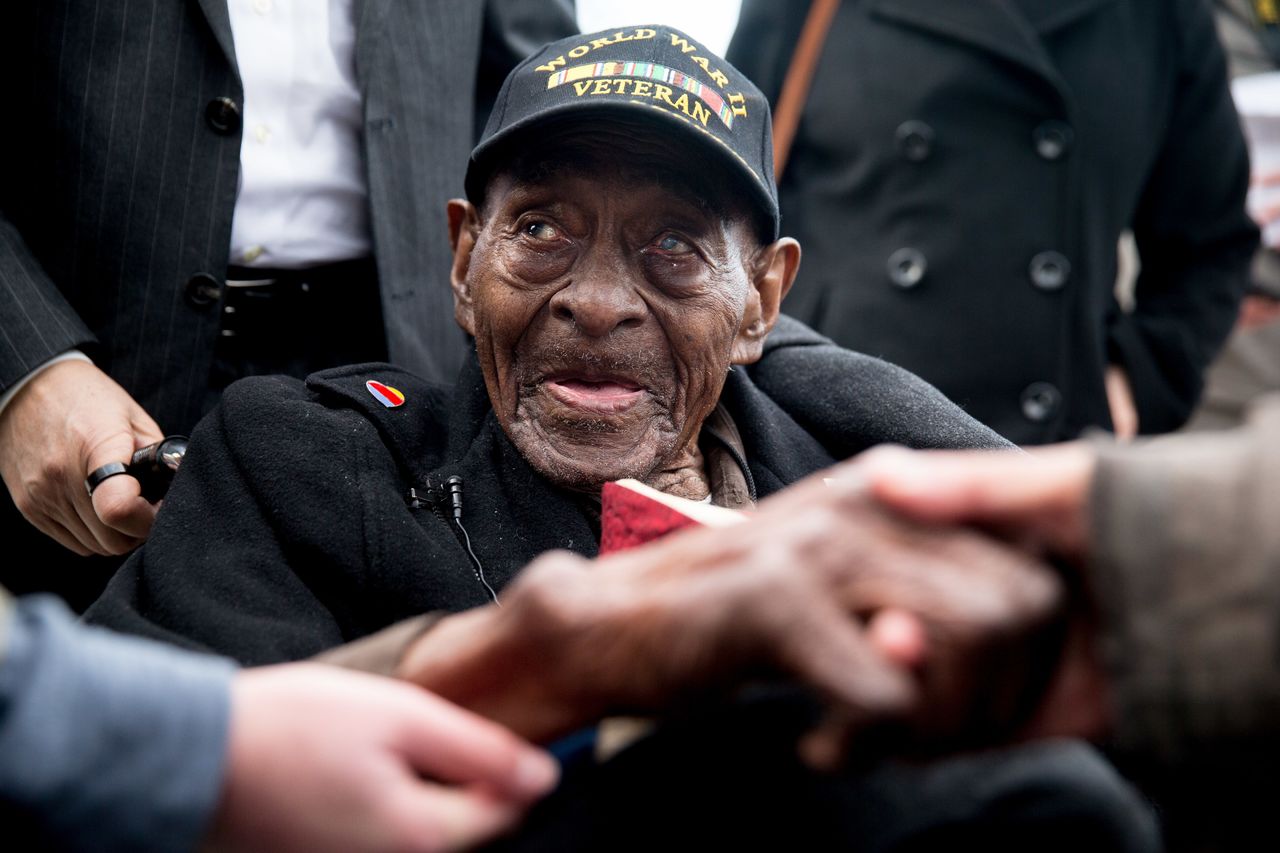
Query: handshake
{"type": "Point", "coordinates": [933, 602]}
{"type": "Point", "coordinates": [934, 596]}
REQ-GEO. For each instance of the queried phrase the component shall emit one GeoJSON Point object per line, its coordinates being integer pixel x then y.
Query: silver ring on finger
{"type": "Point", "coordinates": [106, 472]}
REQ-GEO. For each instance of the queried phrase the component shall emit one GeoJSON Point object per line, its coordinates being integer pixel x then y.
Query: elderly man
{"type": "Point", "coordinates": [619, 268]}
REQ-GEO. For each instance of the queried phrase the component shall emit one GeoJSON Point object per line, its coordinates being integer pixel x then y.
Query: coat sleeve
{"type": "Point", "coordinates": [1187, 574]}
{"type": "Point", "coordinates": [1193, 236]}
{"type": "Point", "coordinates": [105, 737]}
{"type": "Point", "coordinates": [36, 322]}
{"type": "Point", "coordinates": [262, 543]}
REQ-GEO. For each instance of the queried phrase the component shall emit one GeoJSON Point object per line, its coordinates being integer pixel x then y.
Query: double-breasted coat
{"type": "Point", "coordinates": [960, 177]}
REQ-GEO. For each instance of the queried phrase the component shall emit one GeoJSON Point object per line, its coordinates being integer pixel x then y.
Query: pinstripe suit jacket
{"type": "Point", "coordinates": [117, 190]}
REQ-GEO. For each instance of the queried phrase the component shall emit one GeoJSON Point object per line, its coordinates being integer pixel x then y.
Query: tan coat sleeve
{"type": "Point", "coordinates": [380, 653]}
{"type": "Point", "coordinates": [1187, 543]}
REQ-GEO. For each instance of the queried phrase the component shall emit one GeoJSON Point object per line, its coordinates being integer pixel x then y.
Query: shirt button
{"type": "Point", "coordinates": [202, 290]}
{"type": "Point", "coordinates": [1052, 139]}
{"type": "Point", "coordinates": [252, 253]}
{"type": "Point", "coordinates": [262, 133]}
{"type": "Point", "coordinates": [1049, 271]}
{"type": "Point", "coordinates": [907, 267]}
{"type": "Point", "coordinates": [223, 115]}
{"type": "Point", "coordinates": [915, 140]}
{"type": "Point", "coordinates": [1040, 401]}
{"type": "Point", "coordinates": [262, 7]}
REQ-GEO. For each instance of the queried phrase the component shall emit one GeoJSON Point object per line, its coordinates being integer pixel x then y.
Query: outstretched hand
{"type": "Point", "coordinates": [1037, 499]}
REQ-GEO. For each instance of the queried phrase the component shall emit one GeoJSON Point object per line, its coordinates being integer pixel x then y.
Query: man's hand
{"type": "Point", "coordinates": [323, 759]}
{"type": "Point", "coordinates": [1038, 500]}
{"type": "Point", "coordinates": [67, 421]}
{"type": "Point", "coordinates": [821, 587]}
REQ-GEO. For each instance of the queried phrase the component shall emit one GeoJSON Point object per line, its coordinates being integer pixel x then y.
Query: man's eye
{"type": "Point", "coordinates": [542, 231]}
{"type": "Point", "coordinates": [673, 244]}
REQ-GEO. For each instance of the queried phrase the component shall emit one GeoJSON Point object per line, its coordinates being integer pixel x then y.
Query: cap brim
{"type": "Point", "coordinates": [486, 156]}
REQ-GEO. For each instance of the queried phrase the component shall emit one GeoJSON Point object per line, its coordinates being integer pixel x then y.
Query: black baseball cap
{"type": "Point", "coordinates": [650, 71]}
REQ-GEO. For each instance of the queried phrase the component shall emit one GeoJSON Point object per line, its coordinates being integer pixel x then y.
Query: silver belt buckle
{"type": "Point", "coordinates": [229, 310]}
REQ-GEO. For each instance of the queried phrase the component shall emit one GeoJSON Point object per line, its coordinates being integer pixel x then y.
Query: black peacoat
{"type": "Point", "coordinates": [962, 173]}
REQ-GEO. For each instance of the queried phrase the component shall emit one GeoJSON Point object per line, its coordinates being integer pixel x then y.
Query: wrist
{"type": "Point", "coordinates": [484, 661]}
{"type": "Point", "coordinates": [13, 390]}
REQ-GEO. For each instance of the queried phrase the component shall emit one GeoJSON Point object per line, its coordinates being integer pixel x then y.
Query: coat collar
{"type": "Point", "coordinates": [997, 26]}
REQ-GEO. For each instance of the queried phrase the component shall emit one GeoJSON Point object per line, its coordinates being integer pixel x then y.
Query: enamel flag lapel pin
{"type": "Point", "coordinates": [385, 394]}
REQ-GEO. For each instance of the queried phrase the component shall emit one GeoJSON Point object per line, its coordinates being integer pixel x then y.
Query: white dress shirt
{"type": "Point", "coordinates": [303, 196]}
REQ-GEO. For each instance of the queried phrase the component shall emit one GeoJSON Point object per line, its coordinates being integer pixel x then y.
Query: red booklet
{"type": "Point", "coordinates": [632, 514]}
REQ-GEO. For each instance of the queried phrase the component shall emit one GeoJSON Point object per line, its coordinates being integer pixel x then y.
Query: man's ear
{"type": "Point", "coordinates": [772, 272]}
{"type": "Point", "coordinates": [464, 226]}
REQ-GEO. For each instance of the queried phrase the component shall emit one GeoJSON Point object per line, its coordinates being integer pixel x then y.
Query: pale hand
{"type": "Point", "coordinates": [321, 759]}
{"type": "Point", "coordinates": [67, 421]}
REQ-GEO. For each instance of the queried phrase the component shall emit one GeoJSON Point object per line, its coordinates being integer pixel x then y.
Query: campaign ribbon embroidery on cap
{"type": "Point", "coordinates": [385, 394]}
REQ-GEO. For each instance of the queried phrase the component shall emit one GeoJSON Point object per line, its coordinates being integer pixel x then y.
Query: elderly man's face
{"type": "Point", "coordinates": [609, 288]}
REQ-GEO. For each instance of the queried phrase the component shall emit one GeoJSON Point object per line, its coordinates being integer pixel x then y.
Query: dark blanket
{"type": "Point", "coordinates": [290, 528]}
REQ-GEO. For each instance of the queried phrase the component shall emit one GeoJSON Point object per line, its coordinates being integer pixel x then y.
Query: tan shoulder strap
{"type": "Point", "coordinates": [795, 87]}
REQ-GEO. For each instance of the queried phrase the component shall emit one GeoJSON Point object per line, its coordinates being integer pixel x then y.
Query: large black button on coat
{"type": "Point", "coordinates": [1052, 139]}
{"type": "Point", "coordinates": [907, 267]}
{"type": "Point", "coordinates": [1049, 270]}
{"type": "Point", "coordinates": [223, 116]}
{"type": "Point", "coordinates": [1040, 402]}
{"type": "Point", "coordinates": [915, 140]}
{"type": "Point", "coordinates": [202, 290]}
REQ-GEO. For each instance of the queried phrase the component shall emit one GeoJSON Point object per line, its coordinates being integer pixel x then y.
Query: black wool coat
{"type": "Point", "coordinates": [960, 177]}
{"type": "Point", "coordinates": [289, 528]}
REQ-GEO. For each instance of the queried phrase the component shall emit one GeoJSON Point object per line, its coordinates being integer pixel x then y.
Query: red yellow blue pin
{"type": "Point", "coordinates": [385, 394]}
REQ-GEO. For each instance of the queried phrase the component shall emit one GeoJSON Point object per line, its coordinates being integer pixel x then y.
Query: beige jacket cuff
{"type": "Point", "coordinates": [382, 652]}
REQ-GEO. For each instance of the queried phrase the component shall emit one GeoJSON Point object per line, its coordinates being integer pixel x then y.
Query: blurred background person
{"type": "Point", "coordinates": [1249, 364]}
{"type": "Point", "coordinates": [960, 175]}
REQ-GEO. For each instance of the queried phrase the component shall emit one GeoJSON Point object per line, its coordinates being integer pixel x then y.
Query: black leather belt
{"type": "Point", "coordinates": [258, 300]}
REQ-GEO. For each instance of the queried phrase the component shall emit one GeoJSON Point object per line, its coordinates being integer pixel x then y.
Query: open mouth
{"type": "Point", "coordinates": [605, 394]}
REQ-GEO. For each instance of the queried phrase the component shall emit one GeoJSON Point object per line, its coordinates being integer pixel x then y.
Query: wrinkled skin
{"type": "Point", "coordinates": [609, 289]}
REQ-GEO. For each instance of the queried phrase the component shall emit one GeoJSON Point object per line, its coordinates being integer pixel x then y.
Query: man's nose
{"type": "Point", "coordinates": [600, 298]}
